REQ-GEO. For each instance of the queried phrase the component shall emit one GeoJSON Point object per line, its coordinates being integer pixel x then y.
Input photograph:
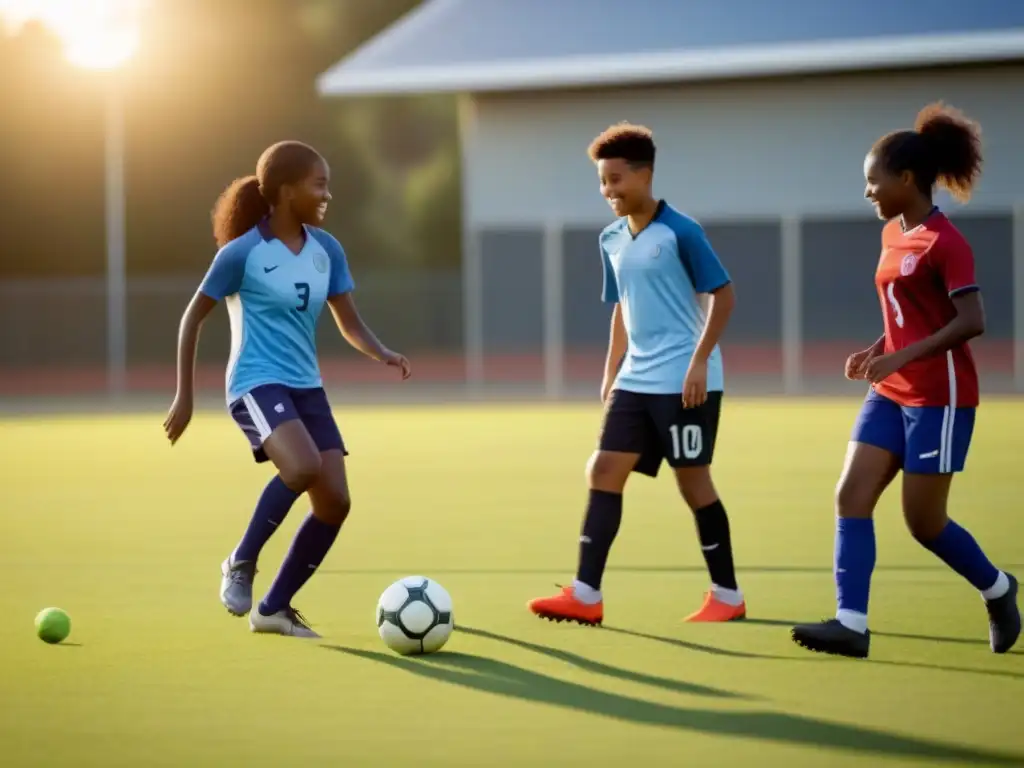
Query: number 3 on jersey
{"type": "Point", "coordinates": [897, 310]}
{"type": "Point", "coordinates": [303, 291]}
{"type": "Point", "coordinates": [686, 442]}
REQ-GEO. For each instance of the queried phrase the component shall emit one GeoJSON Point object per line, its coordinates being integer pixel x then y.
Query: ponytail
{"type": "Point", "coordinates": [953, 143]}
{"type": "Point", "coordinates": [239, 208]}
{"type": "Point", "coordinates": [944, 148]}
{"type": "Point", "coordinates": [248, 200]}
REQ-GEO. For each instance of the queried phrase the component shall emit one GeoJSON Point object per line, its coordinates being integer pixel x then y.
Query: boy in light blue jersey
{"type": "Point", "coordinates": [656, 278]}
{"type": "Point", "coordinates": [276, 269]}
{"type": "Point", "coordinates": [663, 379]}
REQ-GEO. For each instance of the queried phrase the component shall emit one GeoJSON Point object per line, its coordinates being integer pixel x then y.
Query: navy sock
{"type": "Point", "coordinates": [272, 508]}
{"type": "Point", "coordinates": [854, 562]}
{"type": "Point", "coordinates": [310, 546]}
{"type": "Point", "coordinates": [600, 526]}
{"type": "Point", "coordinates": [961, 552]}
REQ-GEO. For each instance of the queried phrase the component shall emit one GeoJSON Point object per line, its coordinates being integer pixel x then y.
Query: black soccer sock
{"type": "Point", "coordinates": [601, 523]}
{"type": "Point", "coordinates": [713, 530]}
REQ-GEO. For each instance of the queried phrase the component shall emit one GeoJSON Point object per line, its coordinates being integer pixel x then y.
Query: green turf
{"type": "Point", "coordinates": [103, 519]}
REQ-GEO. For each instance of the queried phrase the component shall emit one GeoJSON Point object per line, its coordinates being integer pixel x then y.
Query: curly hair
{"type": "Point", "coordinates": [944, 149]}
{"type": "Point", "coordinates": [632, 143]}
{"type": "Point", "coordinates": [249, 199]}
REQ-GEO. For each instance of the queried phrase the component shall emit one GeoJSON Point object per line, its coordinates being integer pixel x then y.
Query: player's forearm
{"type": "Point", "coordinates": [720, 310]}
{"type": "Point", "coordinates": [361, 338]}
{"type": "Point", "coordinates": [968, 323]}
{"type": "Point", "coordinates": [356, 332]}
{"type": "Point", "coordinates": [958, 331]}
{"type": "Point", "coordinates": [878, 347]}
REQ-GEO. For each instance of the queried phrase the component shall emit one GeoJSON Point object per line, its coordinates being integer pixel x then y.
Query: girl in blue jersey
{"type": "Point", "coordinates": [275, 270]}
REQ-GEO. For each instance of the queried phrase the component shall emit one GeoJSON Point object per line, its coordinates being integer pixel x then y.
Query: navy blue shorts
{"type": "Point", "coordinates": [929, 440]}
{"type": "Point", "coordinates": [261, 410]}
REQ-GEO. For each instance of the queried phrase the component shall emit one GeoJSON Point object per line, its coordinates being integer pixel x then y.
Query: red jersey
{"type": "Point", "coordinates": [919, 272]}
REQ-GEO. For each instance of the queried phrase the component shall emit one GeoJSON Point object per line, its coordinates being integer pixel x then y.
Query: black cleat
{"type": "Point", "coordinates": [1004, 619]}
{"type": "Point", "coordinates": [832, 637]}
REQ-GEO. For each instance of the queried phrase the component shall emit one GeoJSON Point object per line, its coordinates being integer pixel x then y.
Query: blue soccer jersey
{"type": "Point", "coordinates": [274, 299]}
{"type": "Point", "coordinates": [657, 278]}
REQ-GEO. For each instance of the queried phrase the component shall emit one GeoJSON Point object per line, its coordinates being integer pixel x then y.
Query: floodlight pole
{"type": "Point", "coordinates": [115, 236]}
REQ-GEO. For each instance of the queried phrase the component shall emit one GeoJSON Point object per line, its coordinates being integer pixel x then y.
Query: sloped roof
{"type": "Point", "coordinates": [487, 45]}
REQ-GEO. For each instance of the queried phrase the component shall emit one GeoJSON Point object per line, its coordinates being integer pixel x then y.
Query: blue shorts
{"type": "Point", "coordinates": [261, 410]}
{"type": "Point", "coordinates": [929, 440]}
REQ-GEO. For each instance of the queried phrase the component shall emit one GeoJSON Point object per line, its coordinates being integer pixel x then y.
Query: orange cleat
{"type": "Point", "coordinates": [565, 607]}
{"type": "Point", "coordinates": [715, 610]}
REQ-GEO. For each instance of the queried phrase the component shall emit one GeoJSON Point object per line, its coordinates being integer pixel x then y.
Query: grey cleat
{"type": "Point", "coordinates": [287, 621]}
{"type": "Point", "coordinates": [236, 585]}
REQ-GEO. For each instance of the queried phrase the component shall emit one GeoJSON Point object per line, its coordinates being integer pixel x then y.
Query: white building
{"type": "Point", "coordinates": [762, 114]}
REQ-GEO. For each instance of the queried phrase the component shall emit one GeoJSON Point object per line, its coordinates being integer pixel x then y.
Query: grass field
{"type": "Point", "coordinates": [101, 518]}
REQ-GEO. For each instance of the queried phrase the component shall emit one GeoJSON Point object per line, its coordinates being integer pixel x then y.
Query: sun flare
{"type": "Point", "coordinates": [96, 34]}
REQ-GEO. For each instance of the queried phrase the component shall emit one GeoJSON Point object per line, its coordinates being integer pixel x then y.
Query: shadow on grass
{"type": "Point", "coordinates": [898, 635]}
{"type": "Point", "coordinates": [700, 569]}
{"type": "Point", "coordinates": [503, 679]}
{"type": "Point", "coordinates": [597, 667]}
{"type": "Point", "coordinates": [808, 656]}
{"type": "Point", "coordinates": [688, 645]}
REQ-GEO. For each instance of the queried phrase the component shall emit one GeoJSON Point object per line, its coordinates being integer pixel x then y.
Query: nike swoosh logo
{"type": "Point", "coordinates": [267, 270]}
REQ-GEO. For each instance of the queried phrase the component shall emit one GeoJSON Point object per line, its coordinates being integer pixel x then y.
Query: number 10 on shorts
{"type": "Point", "coordinates": [687, 442]}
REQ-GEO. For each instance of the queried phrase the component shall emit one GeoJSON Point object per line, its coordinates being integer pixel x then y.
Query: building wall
{"type": "Point", "coordinates": [728, 150]}
{"type": "Point", "coordinates": [739, 156]}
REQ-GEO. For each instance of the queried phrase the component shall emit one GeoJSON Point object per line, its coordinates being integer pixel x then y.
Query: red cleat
{"type": "Point", "coordinates": [715, 610]}
{"type": "Point", "coordinates": [565, 607]}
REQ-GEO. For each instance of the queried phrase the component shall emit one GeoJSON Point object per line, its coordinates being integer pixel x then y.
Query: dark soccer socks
{"type": "Point", "coordinates": [847, 634]}
{"type": "Point", "coordinates": [310, 546]}
{"type": "Point", "coordinates": [272, 508]}
{"type": "Point", "coordinates": [716, 544]}
{"type": "Point", "coordinates": [600, 526]}
{"type": "Point", "coordinates": [958, 549]}
{"type": "Point", "coordinates": [854, 563]}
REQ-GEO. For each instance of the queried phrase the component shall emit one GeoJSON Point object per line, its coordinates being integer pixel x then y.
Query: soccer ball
{"type": "Point", "coordinates": [414, 615]}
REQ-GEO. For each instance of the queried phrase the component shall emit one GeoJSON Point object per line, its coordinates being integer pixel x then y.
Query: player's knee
{"type": "Point", "coordinates": [851, 500]}
{"type": "Point", "coordinates": [334, 508]}
{"type": "Point", "coordinates": [696, 487]}
{"type": "Point", "coordinates": [606, 472]}
{"type": "Point", "coordinates": [925, 528]}
{"type": "Point", "coordinates": [300, 473]}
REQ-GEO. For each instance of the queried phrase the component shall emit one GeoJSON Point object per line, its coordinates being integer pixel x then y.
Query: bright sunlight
{"type": "Point", "coordinates": [96, 34]}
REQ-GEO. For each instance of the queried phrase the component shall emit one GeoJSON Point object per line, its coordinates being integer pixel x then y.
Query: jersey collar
{"type": "Point", "coordinates": [268, 236]}
{"type": "Point", "coordinates": [932, 212]}
{"type": "Point", "coordinates": [660, 209]}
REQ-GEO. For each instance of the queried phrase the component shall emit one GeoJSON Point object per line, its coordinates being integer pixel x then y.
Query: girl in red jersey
{"type": "Point", "coordinates": [919, 413]}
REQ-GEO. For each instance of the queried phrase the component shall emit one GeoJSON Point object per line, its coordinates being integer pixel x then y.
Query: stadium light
{"type": "Point", "coordinates": [100, 35]}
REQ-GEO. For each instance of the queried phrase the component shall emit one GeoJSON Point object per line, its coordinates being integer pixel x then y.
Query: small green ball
{"type": "Point", "coordinates": [53, 625]}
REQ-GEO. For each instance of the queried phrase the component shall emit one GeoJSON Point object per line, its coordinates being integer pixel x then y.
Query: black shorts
{"type": "Point", "coordinates": [660, 429]}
